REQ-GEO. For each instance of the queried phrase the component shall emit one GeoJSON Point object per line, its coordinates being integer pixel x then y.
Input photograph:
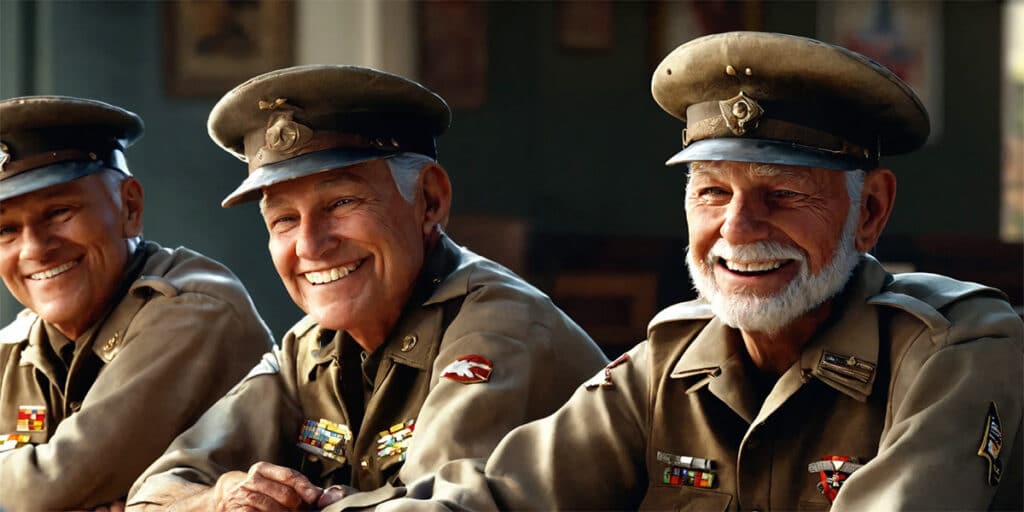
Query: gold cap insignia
{"type": "Point", "coordinates": [740, 111]}
{"type": "Point", "coordinates": [285, 135]}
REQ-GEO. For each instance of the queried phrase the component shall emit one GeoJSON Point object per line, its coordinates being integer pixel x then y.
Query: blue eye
{"type": "Point", "coordinates": [340, 202]}
{"type": "Point", "coordinates": [784, 194]}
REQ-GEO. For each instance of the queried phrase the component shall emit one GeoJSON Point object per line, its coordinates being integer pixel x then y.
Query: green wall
{"type": "Point", "coordinates": [569, 140]}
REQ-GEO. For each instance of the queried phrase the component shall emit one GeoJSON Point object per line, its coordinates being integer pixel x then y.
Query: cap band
{"type": "Point", "coordinates": [741, 149]}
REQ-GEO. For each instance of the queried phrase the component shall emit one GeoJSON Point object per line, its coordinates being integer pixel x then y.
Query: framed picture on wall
{"type": "Point", "coordinates": [674, 22]}
{"type": "Point", "coordinates": [905, 37]}
{"type": "Point", "coordinates": [453, 50]}
{"type": "Point", "coordinates": [211, 46]}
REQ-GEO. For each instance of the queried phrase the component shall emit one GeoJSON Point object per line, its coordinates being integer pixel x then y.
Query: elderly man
{"type": "Point", "coordinates": [123, 343]}
{"type": "Point", "coordinates": [414, 351]}
{"type": "Point", "coordinates": [807, 377]}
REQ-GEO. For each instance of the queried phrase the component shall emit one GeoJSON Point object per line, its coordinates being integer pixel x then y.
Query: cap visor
{"type": "Point", "coordinates": [298, 167]}
{"type": "Point", "coordinates": [47, 176]}
{"type": "Point", "coordinates": [767, 152]}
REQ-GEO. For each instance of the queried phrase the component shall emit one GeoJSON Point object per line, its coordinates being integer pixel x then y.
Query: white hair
{"type": "Point", "coordinates": [405, 170]}
{"type": "Point", "coordinates": [769, 314]}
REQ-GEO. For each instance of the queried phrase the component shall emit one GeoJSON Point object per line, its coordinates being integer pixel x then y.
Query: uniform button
{"type": "Point", "coordinates": [409, 342]}
{"type": "Point", "coordinates": [75, 406]}
{"type": "Point", "coordinates": [365, 464]}
{"type": "Point", "coordinates": [312, 458]}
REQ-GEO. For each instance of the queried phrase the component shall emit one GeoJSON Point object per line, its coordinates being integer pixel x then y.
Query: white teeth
{"type": "Point", "coordinates": [53, 272]}
{"type": "Point", "coordinates": [755, 266]}
{"type": "Point", "coordinates": [327, 276]}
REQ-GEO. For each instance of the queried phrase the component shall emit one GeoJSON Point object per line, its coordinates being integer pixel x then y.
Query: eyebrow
{"type": "Point", "coordinates": [327, 183]}
{"type": "Point", "coordinates": [760, 170]}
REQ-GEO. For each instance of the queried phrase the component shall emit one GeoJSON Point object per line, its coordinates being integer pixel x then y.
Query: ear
{"type": "Point", "coordinates": [437, 199]}
{"type": "Point", "coordinates": [131, 207]}
{"type": "Point", "coordinates": [876, 203]}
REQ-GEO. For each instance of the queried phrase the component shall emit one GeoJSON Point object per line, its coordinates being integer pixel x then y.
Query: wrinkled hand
{"type": "Point", "coordinates": [335, 493]}
{"type": "Point", "coordinates": [266, 487]}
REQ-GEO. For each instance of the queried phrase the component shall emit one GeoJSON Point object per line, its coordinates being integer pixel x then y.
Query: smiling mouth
{"type": "Point", "coordinates": [331, 275]}
{"type": "Point", "coordinates": [53, 272]}
{"type": "Point", "coordinates": [753, 268]}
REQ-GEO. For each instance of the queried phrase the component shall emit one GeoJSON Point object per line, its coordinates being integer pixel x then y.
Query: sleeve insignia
{"type": "Point", "coordinates": [991, 443]}
{"type": "Point", "coordinates": [469, 369]}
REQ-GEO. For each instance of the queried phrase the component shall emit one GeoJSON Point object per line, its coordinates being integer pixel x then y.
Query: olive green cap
{"type": "Point", "coordinates": [303, 120]}
{"type": "Point", "coordinates": [782, 99]}
{"type": "Point", "coordinates": [49, 140]}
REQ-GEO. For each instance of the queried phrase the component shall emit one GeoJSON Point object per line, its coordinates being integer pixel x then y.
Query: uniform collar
{"type": "Point", "coordinates": [843, 353]}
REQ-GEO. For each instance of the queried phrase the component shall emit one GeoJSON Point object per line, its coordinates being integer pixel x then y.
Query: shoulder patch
{"type": "Point", "coordinates": [469, 369]}
{"type": "Point", "coordinates": [692, 310]}
{"type": "Point", "coordinates": [991, 444]}
{"type": "Point", "coordinates": [18, 330]}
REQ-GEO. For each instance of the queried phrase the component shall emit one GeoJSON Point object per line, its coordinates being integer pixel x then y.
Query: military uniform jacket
{"type": "Point", "coordinates": [184, 333]}
{"type": "Point", "coordinates": [467, 306]}
{"type": "Point", "coordinates": [903, 378]}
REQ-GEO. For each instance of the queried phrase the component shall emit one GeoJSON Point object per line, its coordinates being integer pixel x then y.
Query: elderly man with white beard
{"type": "Point", "coordinates": [806, 377]}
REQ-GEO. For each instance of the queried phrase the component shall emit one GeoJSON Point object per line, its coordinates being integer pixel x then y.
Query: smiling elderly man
{"type": "Point", "coordinates": [123, 343]}
{"type": "Point", "coordinates": [415, 351]}
{"type": "Point", "coordinates": [807, 377]}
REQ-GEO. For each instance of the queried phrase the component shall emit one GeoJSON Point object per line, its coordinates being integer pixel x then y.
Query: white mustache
{"type": "Point", "coordinates": [757, 251]}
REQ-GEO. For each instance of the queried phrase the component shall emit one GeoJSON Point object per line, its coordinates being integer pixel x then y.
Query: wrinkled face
{"type": "Point", "coordinates": [63, 250]}
{"type": "Point", "coordinates": [347, 246]}
{"type": "Point", "coordinates": [768, 243]}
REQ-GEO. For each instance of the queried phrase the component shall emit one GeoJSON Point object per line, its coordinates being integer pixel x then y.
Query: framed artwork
{"type": "Point", "coordinates": [905, 37]}
{"type": "Point", "coordinates": [453, 50]}
{"type": "Point", "coordinates": [674, 22]}
{"type": "Point", "coordinates": [586, 25]}
{"type": "Point", "coordinates": [211, 46]}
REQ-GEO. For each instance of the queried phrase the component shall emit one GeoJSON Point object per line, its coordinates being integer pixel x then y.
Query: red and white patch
{"type": "Point", "coordinates": [469, 369]}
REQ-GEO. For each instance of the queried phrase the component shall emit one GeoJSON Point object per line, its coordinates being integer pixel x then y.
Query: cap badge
{"type": "Point", "coordinates": [740, 111]}
{"type": "Point", "coordinates": [832, 471]}
{"type": "Point", "coordinates": [285, 135]}
{"type": "Point", "coordinates": [4, 155]}
{"type": "Point", "coordinates": [469, 369]}
{"type": "Point", "coordinates": [991, 444]}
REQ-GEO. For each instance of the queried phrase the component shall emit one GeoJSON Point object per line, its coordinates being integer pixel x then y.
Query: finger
{"type": "Point", "coordinates": [281, 493]}
{"type": "Point", "coordinates": [117, 506]}
{"type": "Point", "coordinates": [334, 493]}
{"type": "Point", "coordinates": [290, 477]}
{"type": "Point", "coordinates": [246, 500]}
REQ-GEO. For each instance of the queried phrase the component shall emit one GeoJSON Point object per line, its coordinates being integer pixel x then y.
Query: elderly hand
{"type": "Point", "coordinates": [266, 487]}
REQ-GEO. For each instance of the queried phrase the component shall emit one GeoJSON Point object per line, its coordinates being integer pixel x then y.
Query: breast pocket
{"type": "Point", "coordinates": [685, 499]}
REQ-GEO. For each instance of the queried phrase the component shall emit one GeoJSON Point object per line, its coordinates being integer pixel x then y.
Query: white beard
{"type": "Point", "coordinates": [769, 314]}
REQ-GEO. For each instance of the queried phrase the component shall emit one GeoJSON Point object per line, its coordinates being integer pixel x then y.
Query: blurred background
{"type": "Point", "coordinates": [556, 149]}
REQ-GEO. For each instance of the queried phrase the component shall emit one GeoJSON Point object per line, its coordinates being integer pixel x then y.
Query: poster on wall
{"type": "Point", "coordinates": [210, 46]}
{"type": "Point", "coordinates": [905, 37]}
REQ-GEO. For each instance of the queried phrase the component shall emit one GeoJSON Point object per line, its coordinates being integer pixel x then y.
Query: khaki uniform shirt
{"type": "Point", "coordinates": [464, 305]}
{"type": "Point", "coordinates": [183, 333]}
{"type": "Point", "coordinates": [903, 378]}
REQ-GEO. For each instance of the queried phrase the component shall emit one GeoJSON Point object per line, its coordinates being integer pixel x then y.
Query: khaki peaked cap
{"type": "Point", "coordinates": [49, 140]}
{"type": "Point", "coordinates": [776, 98]}
{"type": "Point", "coordinates": [303, 120]}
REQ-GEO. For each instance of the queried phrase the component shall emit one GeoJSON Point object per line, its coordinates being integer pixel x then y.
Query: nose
{"type": "Point", "coordinates": [745, 219]}
{"type": "Point", "coordinates": [36, 243]}
{"type": "Point", "coordinates": [315, 238]}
